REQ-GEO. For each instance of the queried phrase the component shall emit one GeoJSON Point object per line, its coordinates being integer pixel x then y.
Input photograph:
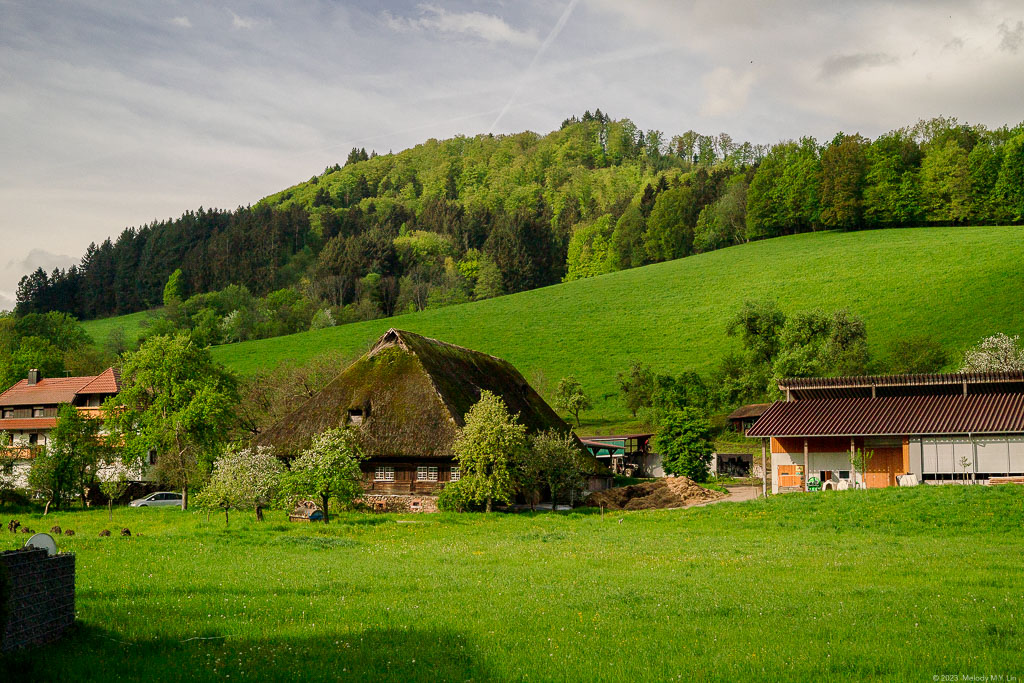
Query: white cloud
{"type": "Point", "coordinates": [183, 22]}
{"type": "Point", "coordinates": [725, 91]}
{"type": "Point", "coordinates": [487, 27]}
{"type": "Point", "coordinates": [242, 22]}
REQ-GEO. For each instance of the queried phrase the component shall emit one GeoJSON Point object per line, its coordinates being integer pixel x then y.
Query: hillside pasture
{"type": "Point", "coordinates": [900, 584]}
{"type": "Point", "coordinates": [133, 325]}
{"type": "Point", "coordinates": [954, 285]}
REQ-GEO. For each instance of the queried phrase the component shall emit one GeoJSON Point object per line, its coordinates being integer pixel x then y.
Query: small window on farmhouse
{"type": "Point", "coordinates": [426, 474]}
{"type": "Point", "coordinates": [384, 474]}
{"type": "Point", "coordinates": [37, 411]}
{"type": "Point", "coordinates": [355, 416]}
{"type": "Point", "coordinates": [151, 456]}
{"type": "Point", "coordinates": [33, 439]}
{"type": "Point", "coordinates": [8, 413]}
{"type": "Point", "coordinates": [844, 474]}
{"type": "Point", "coordinates": [455, 474]}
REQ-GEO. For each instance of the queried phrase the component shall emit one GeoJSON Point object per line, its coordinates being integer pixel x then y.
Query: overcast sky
{"type": "Point", "coordinates": [117, 113]}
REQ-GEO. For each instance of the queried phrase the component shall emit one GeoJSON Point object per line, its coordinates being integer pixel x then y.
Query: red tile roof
{"type": "Point", "coordinates": [28, 424]}
{"type": "Point", "coordinates": [107, 382]}
{"type": "Point", "coordinates": [52, 390]}
{"type": "Point", "coordinates": [46, 391]}
{"type": "Point", "coordinates": [995, 413]}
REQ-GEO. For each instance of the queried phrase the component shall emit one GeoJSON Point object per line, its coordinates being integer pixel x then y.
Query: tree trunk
{"type": "Point", "coordinates": [323, 501]}
{"type": "Point", "coordinates": [225, 515]}
{"type": "Point", "coordinates": [184, 497]}
{"type": "Point", "coordinates": [110, 508]}
{"type": "Point", "coordinates": [46, 509]}
{"type": "Point", "coordinates": [259, 513]}
{"type": "Point", "coordinates": [488, 508]}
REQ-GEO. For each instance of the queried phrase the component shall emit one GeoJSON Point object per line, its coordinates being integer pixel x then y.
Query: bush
{"type": "Point", "coordinates": [457, 496]}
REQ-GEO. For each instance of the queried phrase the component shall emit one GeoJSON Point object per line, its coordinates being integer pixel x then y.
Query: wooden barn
{"type": "Point", "coordinates": [407, 397]}
{"type": "Point", "coordinates": [932, 429]}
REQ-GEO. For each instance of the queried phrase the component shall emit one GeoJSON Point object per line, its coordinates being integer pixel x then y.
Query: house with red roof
{"type": "Point", "coordinates": [28, 410]}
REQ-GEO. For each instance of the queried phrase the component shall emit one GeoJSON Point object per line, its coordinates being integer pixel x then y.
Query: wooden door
{"type": "Point", "coordinates": [791, 475]}
{"type": "Point", "coordinates": [883, 468]}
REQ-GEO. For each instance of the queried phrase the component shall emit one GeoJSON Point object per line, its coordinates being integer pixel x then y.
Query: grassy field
{"type": "Point", "coordinates": [900, 584]}
{"type": "Point", "coordinates": [132, 325]}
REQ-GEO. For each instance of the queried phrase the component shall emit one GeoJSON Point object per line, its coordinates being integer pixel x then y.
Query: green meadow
{"type": "Point", "coordinates": [133, 325]}
{"type": "Point", "coordinates": [901, 584]}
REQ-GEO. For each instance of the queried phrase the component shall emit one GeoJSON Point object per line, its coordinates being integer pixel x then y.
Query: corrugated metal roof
{"type": "Point", "coordinates": [27, 424]}
{"type": "Point", "coordinates": [894, 416]}
{"type": "Point", "coordinates": [900, 380]}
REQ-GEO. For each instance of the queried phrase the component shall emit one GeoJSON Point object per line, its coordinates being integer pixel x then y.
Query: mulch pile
{"type": "Point", "coordinates": [670, 492]}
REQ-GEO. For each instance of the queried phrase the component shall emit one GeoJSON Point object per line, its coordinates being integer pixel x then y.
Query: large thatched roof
{"type": "Point", "coordinates": [413, 393]}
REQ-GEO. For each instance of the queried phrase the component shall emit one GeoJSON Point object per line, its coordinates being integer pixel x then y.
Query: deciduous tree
{"type": "Point", "coordinates": [488, 448]}
{"type": "Point", "coordinates": [174, 401]}
{"type": "Point", "coordinates": [570, 397]}
{"type": "Point", "coordinates": [327, 469]}
{"type": "Point", "coordinates": [684, 443]}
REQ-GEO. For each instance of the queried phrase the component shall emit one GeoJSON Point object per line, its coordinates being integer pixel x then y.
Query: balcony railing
{"type": "Point", "coordinates": [90, 411]}
{"type": "Point", "coordinates": [20, 452]}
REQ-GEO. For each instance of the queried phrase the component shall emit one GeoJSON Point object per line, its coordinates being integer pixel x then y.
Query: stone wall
{"type": "Point", "coordinates": [401, 503]}
{"type": "Point", "coordinates": [42, 597]}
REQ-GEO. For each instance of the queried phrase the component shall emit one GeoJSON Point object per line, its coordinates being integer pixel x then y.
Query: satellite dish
{"type": "Point", "coordinates": [43, 542]}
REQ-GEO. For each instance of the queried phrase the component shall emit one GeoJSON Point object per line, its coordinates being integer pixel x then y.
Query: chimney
{"type": "Point", "coordinates": [33, 377]}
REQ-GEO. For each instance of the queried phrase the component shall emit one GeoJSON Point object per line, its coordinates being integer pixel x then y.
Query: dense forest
{"type": "Point", "coordinates": [469, 218]}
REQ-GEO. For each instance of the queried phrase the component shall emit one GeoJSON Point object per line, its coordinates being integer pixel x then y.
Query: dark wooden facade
{"type": "Point", "coordinates": [406, 475]}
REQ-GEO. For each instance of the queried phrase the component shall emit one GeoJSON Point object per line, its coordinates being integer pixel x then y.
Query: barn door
{"type": "Point", "coordinates": [883, 468]}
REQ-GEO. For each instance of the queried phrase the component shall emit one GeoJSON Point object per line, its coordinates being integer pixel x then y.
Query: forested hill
{"type": "Point", "coordinates": [470, 218]}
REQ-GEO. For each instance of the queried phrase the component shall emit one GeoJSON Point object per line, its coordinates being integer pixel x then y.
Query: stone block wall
{"type": "Point", "coordinates": [401, 503]}
{"type": "Point", "coordinates": [42, 597]}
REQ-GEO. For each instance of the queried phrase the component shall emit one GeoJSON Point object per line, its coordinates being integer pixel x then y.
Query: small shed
{"type": "Point", "coordinates": [743, 418]}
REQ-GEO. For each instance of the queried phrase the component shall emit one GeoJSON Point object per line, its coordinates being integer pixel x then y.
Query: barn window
{"type": "Point", "coordinates": [455, 474]}
{"type": "Point", "coordinates": [426, 474]}
{"type": "Point", "coordinates": [384, 474]}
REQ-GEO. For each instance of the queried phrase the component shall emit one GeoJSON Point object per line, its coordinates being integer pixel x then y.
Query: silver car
{"type": "Point", "coordinates": [160, 498]}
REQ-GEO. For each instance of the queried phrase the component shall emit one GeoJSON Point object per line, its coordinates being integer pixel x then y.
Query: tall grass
{"type": "Point", "coordinates": [896, 583]}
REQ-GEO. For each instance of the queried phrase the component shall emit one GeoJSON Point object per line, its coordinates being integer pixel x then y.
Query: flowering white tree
{"type": "Point", "coordinates": [242, 479]}
{"type": "Point", "coordinates": [329, 468]}
{"type": "Point", "coordinates": [998, 353]}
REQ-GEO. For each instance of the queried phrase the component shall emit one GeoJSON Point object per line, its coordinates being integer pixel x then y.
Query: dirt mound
{"type": "Point", "coordinates": [671, 492]}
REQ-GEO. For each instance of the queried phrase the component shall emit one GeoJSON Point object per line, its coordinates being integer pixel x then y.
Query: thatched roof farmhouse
{"type": "Point", "coordinates": [408, 396]}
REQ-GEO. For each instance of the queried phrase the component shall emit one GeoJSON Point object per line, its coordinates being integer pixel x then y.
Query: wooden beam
{"type": "Point", "coordinates": [764, 468]}
{"type": "Point", "coordinates": [805, 464]}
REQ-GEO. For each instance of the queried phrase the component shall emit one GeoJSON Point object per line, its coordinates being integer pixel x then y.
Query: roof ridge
{"type": "Point", "coordinates": [439, 342]}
